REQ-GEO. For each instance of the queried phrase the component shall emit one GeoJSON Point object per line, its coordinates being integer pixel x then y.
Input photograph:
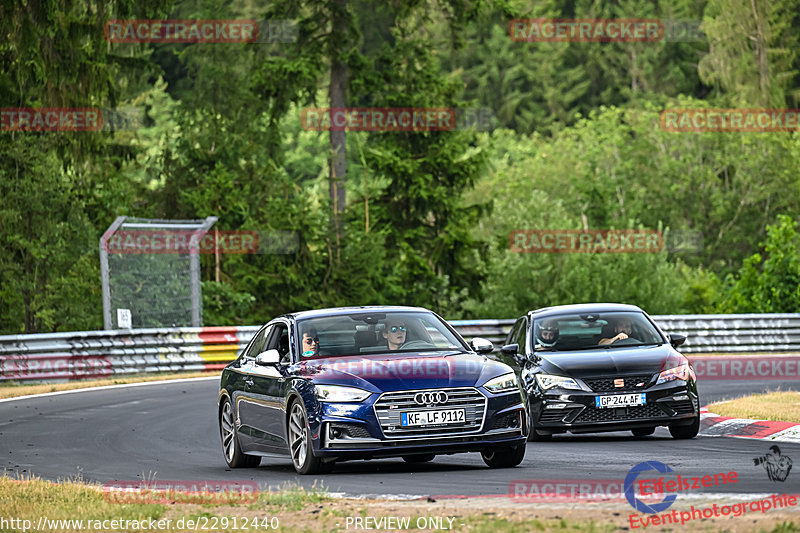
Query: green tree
{"type": "Point", "coordinates": [753, 51]}
{"type": "Point", "coordinates": [59, 189]}
{"type": "Point", "coordinates": [523, 171]}
{"type": "Point", "coordinates": [543, 86]}
{"type": "Point", "coordinates": [769, 284]}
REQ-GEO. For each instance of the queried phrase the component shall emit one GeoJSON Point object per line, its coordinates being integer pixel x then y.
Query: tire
{"type": "Point", "coordinates": [504, 457]}
{"type": "Point", "coordinates": [685, 432]}
{"type": "Point", "coordinates": [300, 448]}
{"type": "Point", "coordinates": [533, 436]}
{"type": "Point", "coordinates": [416, 459]}
{"type": "Point", "coordinates": [231, 449]}
{"type": "Point", "coordinates": [643, 432]}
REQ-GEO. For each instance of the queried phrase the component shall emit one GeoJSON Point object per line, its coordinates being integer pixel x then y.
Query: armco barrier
{"type": "Point", "coordinates": [735, 333]}
{"type": "Point", "coordinates": [705, 333]}
{"type": "Point", "coordinates": [86, 354]}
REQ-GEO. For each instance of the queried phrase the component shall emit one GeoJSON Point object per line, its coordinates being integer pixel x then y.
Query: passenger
{"type": "Point", "coordinates": [395, 334]}
{"type": "Point", "coordinates": [310, 343]}
{"type": "Point", "coordinates": [622, 330]}
{"type": "Point", "coordinates": [547, 336]}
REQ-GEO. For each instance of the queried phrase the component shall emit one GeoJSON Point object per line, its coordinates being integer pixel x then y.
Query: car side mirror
{"type": "Point", "coordinates": [481, 345]}
{"type": "Point", "coordinates": [268, 358]}
{"type": "Point", "coordinates": [676, 339]}
{"type": "Point", "coordinates": [510, 349]}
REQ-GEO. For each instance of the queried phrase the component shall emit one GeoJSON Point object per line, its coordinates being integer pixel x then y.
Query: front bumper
{"type": "Point", "coordinates": [558, 411]}
{"type": "Point", "coordinates": [354, 431]}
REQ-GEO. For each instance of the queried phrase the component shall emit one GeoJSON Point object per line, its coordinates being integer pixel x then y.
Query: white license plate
{"type": "Point", "coordinates": [427, 418]}
{"type": "Point", "coordinates": [619, 400]}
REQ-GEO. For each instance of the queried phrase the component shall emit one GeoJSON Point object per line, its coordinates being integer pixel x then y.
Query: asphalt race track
{"type": "Point", "coordinates": [169, 431]}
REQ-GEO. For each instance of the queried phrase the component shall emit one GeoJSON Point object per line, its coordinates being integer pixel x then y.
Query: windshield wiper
{"type": "Point", "coordinates": [593, 347]}
{"type": "Point", "coordinates": [613, 345]}
{"type": "Point", "coordinates": [642, 344]}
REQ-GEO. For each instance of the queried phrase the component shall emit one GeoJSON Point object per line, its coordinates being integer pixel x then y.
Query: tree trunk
{"type": "Point", "coordinates": [761, 56]}
{"type": "Point", "coordinates": [338, 166]}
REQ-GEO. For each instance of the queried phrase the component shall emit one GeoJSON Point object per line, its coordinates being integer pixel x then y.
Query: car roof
{"type": "Point", "coordinates": [583, 308]}
{"type": "Point", "coordinates": [339, 311]}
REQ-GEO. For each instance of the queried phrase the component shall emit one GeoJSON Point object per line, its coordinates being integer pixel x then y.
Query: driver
{"type": "Point", "coordinates": [622, 329]}
{"type": "Point", "coordinates": [395, 333]}
{"type": "Point", "coordinates": [547, 336]}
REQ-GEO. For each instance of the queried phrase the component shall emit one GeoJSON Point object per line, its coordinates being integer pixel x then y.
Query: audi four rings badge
{"type": "Point", "coordinates": [427, 398]}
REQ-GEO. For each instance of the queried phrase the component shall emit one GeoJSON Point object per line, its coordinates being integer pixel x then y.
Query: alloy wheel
{"type": "Point", "coordinates": [228, 432]}
{"type": "Point", "coordinates": [298, 435]}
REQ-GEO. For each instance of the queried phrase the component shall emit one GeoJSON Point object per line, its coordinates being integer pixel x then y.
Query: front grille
{"type": "Point", "coordinates": [391, 404]}
{"type": "Point", "coordinates": [592, 414]}
{"type": "Point", "coordinates": [632, 383]}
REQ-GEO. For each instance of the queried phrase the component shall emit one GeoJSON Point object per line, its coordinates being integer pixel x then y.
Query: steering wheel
{"type": "Point", "coordinates": [624, 342]}
{"type": "Point", "coordinates": [412, 345]}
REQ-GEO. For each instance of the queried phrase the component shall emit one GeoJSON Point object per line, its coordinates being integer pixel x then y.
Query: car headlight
{"type": "Point", "coordinates": [504, 383]}
{"type": "Point", "coordinates": [549, 381]}
{"type": "Point", "coordinates": [681, 372]}
{"type": "Point", "coordinates": [338, 393]}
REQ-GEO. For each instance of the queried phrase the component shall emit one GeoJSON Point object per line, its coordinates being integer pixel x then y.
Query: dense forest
{"type": "Point", "coordinates": [404, 217]}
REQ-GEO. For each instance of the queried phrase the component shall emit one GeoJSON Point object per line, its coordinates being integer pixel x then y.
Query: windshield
{"type": "Point", "coordinates": [583, 331]}
{"type": "Point", "coordinates": [374, 333]}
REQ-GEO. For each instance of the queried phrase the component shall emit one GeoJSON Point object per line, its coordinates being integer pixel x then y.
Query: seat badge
{"type": "Point", "coordinates": [618, 383]}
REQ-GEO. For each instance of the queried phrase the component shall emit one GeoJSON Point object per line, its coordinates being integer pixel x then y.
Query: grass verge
{"type": "Point", "coordinates": [13, 389]}
{"type": "Point", "coordinates": [40, 505]}
{"type": "Point", "coordinates": [780, 406]}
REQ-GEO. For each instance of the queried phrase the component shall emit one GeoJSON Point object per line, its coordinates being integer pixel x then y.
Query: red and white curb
{"type": "Point", "coordinates": [714, 425]}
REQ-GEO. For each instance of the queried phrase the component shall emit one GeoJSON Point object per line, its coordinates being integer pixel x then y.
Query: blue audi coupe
{"type": "Point", "coordinates": [365, 383]}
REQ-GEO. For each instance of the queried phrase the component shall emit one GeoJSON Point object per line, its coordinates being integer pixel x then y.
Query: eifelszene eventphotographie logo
{"type": "Point", "coordinates": [630, 494]}
{"type": "Point", "coordinates": [669, 486]}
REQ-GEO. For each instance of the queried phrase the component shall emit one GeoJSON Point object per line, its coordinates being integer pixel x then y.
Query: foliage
{"type": "Point", "coordinates": [753, 51]}
{"type": "Point", "coordinates": [769, 284]}
{"type": "Point", "coordinates": [517, 282]}
{"type": "Point", "coordinates": [544, 86]}
{"type": "Point", "coordinates": [428, 214]}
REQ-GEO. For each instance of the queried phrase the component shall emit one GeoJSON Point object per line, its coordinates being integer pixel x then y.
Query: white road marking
{"type": "Point", "coordinates": [105, 387]}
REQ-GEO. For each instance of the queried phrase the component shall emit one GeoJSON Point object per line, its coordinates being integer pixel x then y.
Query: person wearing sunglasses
{"type": "Point", "coordinates": [310, 343]}
{"type": "Point", "coordinates": [395, 334]}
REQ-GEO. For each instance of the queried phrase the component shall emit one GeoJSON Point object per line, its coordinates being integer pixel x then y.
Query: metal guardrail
{"type": "Point", "coordinates": [705, 333]}
{"type": "Point", "coordinates": [87, 354]}
{"type": "Point", "coordinates": [735, 333]}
